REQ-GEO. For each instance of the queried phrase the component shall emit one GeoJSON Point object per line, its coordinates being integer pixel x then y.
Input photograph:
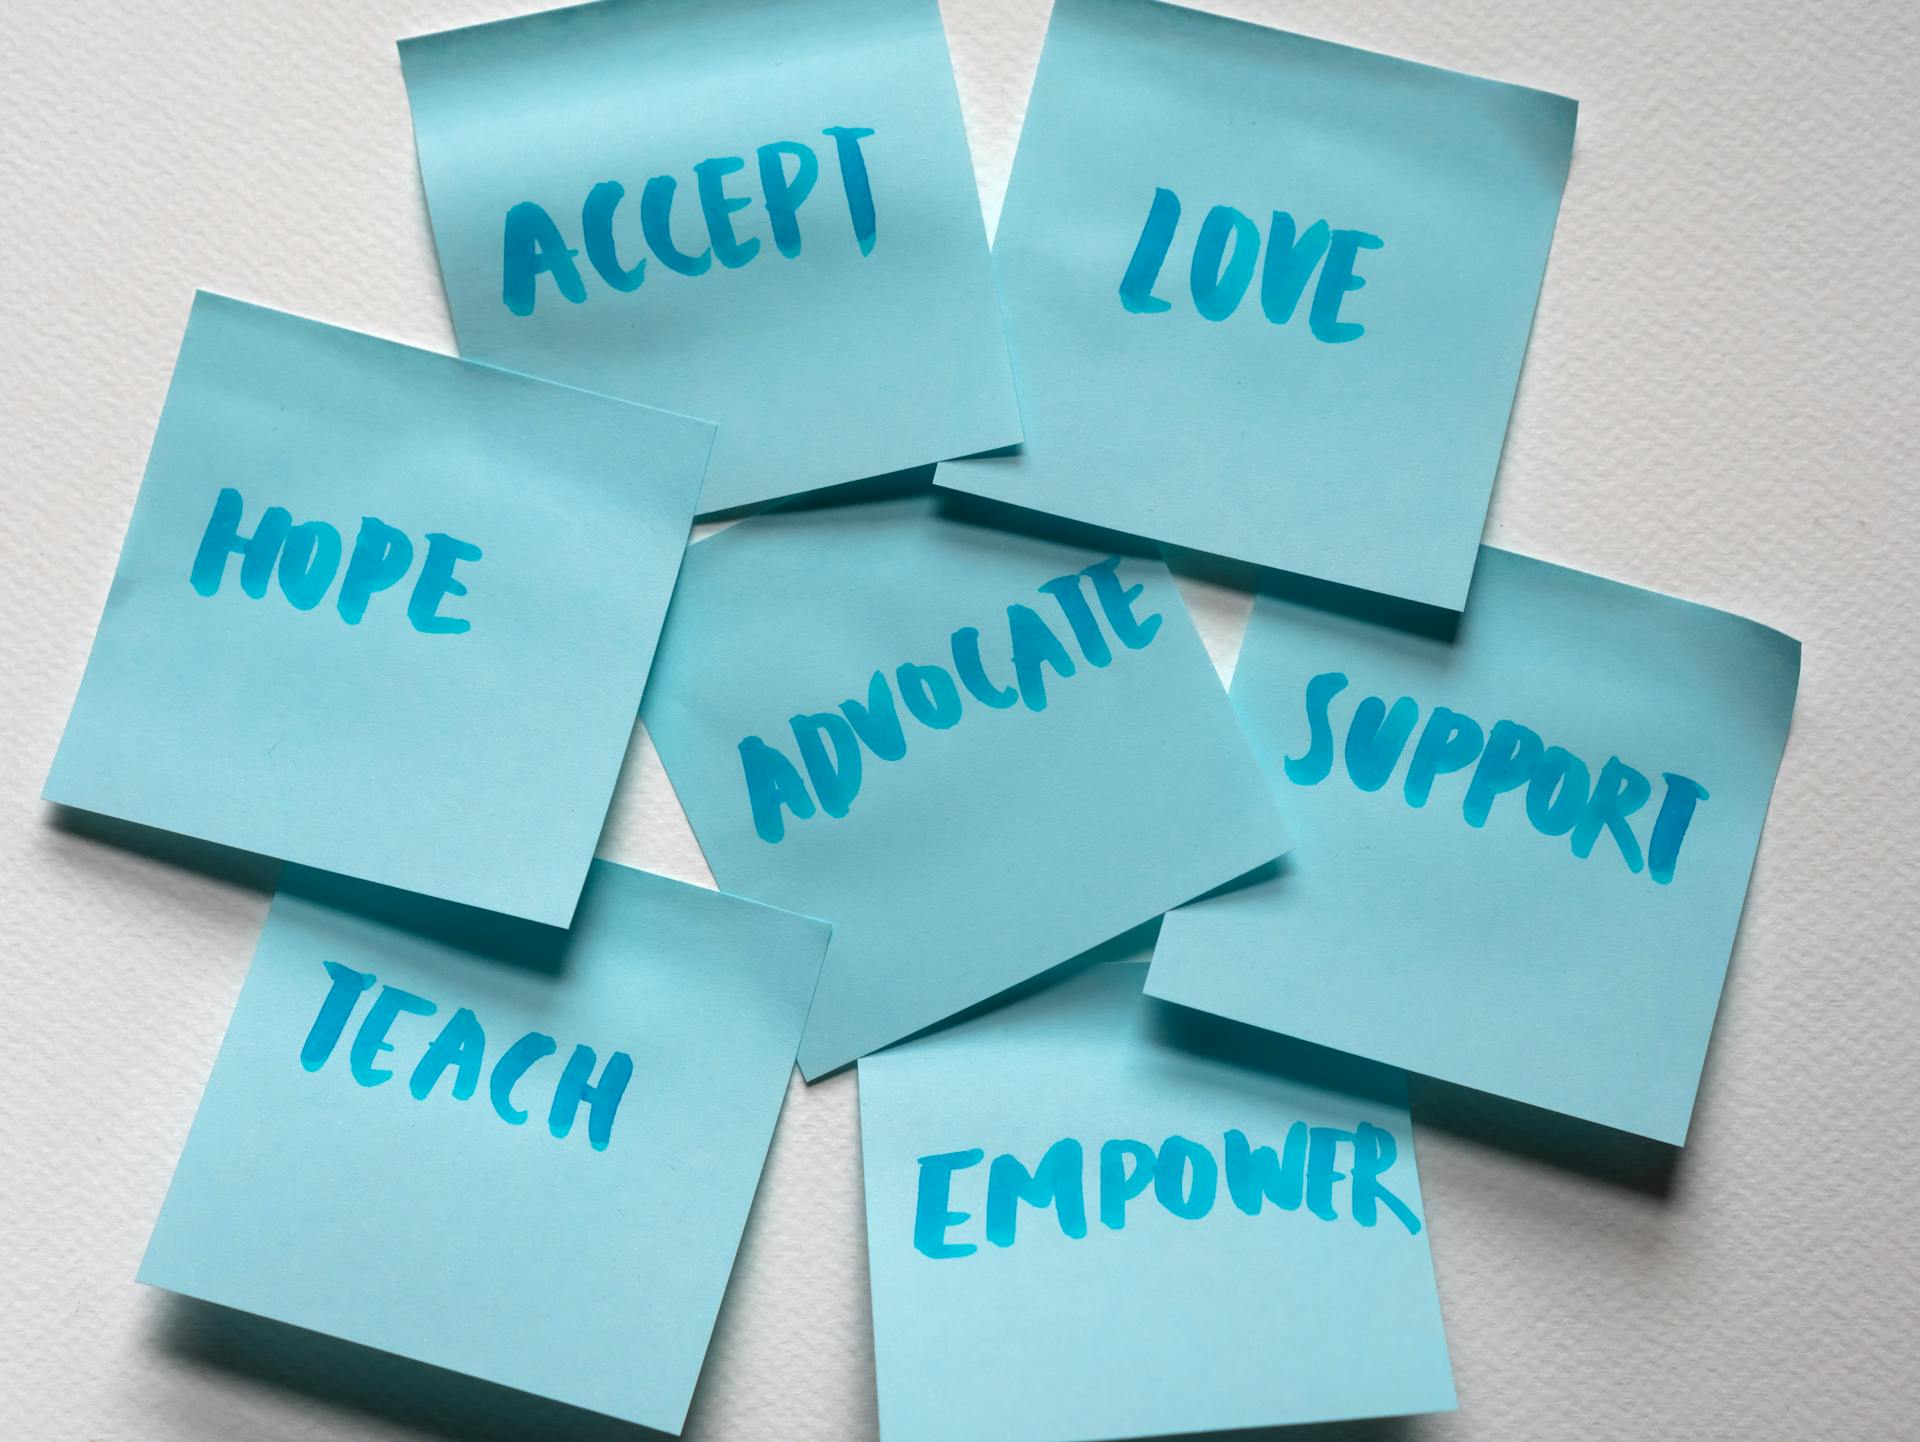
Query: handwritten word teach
{"type": "Point", "coordinates": [533, 245]}
{"type": "Point", "coordinates": [1223, 258]}
{"type": "Point", "coordinates": [307, 557]}
{"type": "Point", "coordinates": [932, 697]}
{"type": "Point", "coordinates": [1184, 1176]}
{"type": "Point", "coordinates": [460, 1048]}
{"type": "Point", "coordinates": [1563, 796]}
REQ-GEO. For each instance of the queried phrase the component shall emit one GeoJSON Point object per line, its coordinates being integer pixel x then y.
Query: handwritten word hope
{"type": "Point", "coordinates": [1184, 1176]}
{"type": "Point", "coordinates": [1223, 258]}
{"type": "Point", "coordinates": [307, 557]}
{"type": "Point", "coordinates": [533, 245]}
{"type": "Point", "coordinates": [932, 697]}
{"type": "Point", "coordinates": [1563, 797]}
{"type": "Point", "coordinates": [460, 1048]}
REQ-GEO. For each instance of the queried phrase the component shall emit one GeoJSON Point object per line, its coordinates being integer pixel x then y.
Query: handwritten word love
{"type": "Point", "coordinates": [533, 245]}
{"type": "Point", "coordinates": [1563, 798]}
{"type": "Point", "coordinates": [1223, 259]}
{"type": "Point", "coordinates": [461, 1048]}
{"type": "Point", "coordinates": [1184, 1176]}
{"type": "Point", "coordinates": [933, 699]}
{"type": "Point", "coordinates": [308, 557]}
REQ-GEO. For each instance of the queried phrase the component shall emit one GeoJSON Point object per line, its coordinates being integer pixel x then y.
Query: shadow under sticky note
{"type": "Point", "coordinates": [967, 746]}
{"type": "Point", "coordinates": [1524, 836]}
{"type": "Point", "coordinates": [759, 212]}
{"type": "Point", "coordinates": [1268, 297]}
{"type": "Point", "coordinates": [514, 1152]}
{"type": "Point", "coordinates": [1092, 1215]}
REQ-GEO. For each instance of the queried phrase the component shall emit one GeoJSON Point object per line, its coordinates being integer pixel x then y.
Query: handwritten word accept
{"type": "Point", "coordinates": [1184, 1176]}
{"type": "Point", "coordinates": [533, 245]}
{"type": "Point", "coordinates": [830, 742]}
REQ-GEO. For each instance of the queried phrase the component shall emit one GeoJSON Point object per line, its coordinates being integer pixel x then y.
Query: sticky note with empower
{"type": "Point", "coordinates": [762, 213]}
{"type": "Point", "coordinates": [1525, 835]}
{"type": "Point", "coordinates": [965, 746]}
{"type": "Point", "coordinates": [516, 1152]}
{"type": "Point", "coordinates": [1268, 296]}
{"type": "Point", "coordinates": [382, 611]}
{"type": "Point", "coordinates": [1091, 1215]}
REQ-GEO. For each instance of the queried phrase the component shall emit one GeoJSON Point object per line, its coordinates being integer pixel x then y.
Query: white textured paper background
{"type": "Point", "coordinates": [1718, 402]}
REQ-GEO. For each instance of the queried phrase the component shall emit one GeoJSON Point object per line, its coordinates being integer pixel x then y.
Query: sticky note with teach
{"type": "Point", "coordinates": [382, 611]}
{"type": "Point", "coordinates": [1268, 296]}
{"type": "Point", "coordinates": [1525, 835]}
{"type": "Point", "coordinates": [759, 211]}
{"type": "Point", "coordinates": [1091, 1215]}
{"type": "Point", "coordinates": [516, 1152]}
{"type": "Point", "coordinates": [966, 747]}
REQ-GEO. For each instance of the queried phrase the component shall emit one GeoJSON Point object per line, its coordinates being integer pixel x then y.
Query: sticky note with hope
{"type": "Point", "coordinates": [966, 747]}
{"type": "Point", "coordinates": [516, 1152]}
{"type": "Point", "coordinates": [1525, 835]}
{"type": "Point", "coordinates": [382, 611]}
{"type": "Point", "coordinates": [1267, 296]}
{"type": "Point", "coordinates": [762, 213]}
{"type": "Point", "coordinates": [1090, 1215]}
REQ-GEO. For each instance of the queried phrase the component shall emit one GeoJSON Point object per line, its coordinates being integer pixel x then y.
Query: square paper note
{"type": "Point", "coordinates": [1525, 835]}
{"type": "Point", "coordinates": [760, 211]}
{"type": "Point", "coordinates": [1268, 296]}
{"type": "Point", "coordinates": [1093, 1216]}
{"type": "Point", "coordinates": [382, 611]}
{"type": "Point", "coordinates": [977, 752]}
{"type": "Point", "coordinates": [519, 1153]}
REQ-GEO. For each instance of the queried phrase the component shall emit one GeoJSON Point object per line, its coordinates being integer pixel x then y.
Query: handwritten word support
{"type": "Point", "coordinates": [305, 557]}
{"type": "Point", "coordinates": [830, 743]}
{"type": "Point", "coordinates": [1563, 798]}
{"type": "Point", "coordinates": [533, 246]}
{"type": "Point", "coordinates": [1224, 253]}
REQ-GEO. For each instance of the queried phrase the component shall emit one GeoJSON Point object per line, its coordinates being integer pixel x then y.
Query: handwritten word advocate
{"type": "Point", "coordinates": [830, 742]}
{"type": "Point", "coordinates": [460, 1048]}
{"type": "Point", "coordinates": [306, 557]}
{"type": "Point", "coordinates": [534, 246]}
{"type": "Point", "coordinates": [1184, 1175]}
{"type": "Point", "coordinates": [1564, 798]}
{"type": "Point", "coordinates": [1223, 258]}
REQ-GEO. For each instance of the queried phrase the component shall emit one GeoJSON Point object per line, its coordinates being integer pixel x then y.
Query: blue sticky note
{"type": "Point", "coordinates": [1090, 1215]}
{"type": "Point", "coordinates": [1525, 835]}
{"type": "Point", "coordinates": [1267, 296]}
{"type": "Point", "coordinates": [760, 211]}
{"type": "Point", "coordinates": [968, 748]}
{"type": "Point", "coordinates": [520, 1153]}
{"type": "Point", "coordinates": [382, 612]}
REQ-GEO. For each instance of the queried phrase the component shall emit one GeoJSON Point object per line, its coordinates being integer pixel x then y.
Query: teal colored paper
{"type": "Point", "coordinates": [1495, 954]}
{"type": "Point", "coordinates": [432, 1227]}
{"type": "Point", "coordinates": [1367, 458]}
{"type": "Point", "coordinates": [991, 848]}
{"type": "Point", "coordinates": [474, 765]}
{"type": "Point", "coordinates": [1189, 1315]}
{"type": "Point", "coordinates": [854, 333]}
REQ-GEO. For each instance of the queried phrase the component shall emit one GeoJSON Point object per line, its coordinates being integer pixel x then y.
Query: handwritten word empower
{"type": "Point", "coordinates": [307, 557]}
{"type": "Point", "coordinates": [933, 699]}
{"type": "Point", "coordinates": [1563, 797]}
{"type": "Point", "coordinates": [461, 1048]}
{"type": "Point", "coordinates": [1184, 1176]}
{"type": "Point", "coordinates": [532, 244]}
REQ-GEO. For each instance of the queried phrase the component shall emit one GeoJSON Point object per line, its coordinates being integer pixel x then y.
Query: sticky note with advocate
{"type": "Point", "coordinates": [1092, 1215]}
{"type": "Point", "coordinates": [516, 1152]}
{"type": "Point", "coordinates": [976, 751]}
{"type": "Point", "coordinates": [1268, 296]}
{"type": "Point", "coordinates": [382, 611]}
{"type": "Point", "coordinates": [1525, 835]}
{"type": "Point", "coordinates": [759, 211]}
